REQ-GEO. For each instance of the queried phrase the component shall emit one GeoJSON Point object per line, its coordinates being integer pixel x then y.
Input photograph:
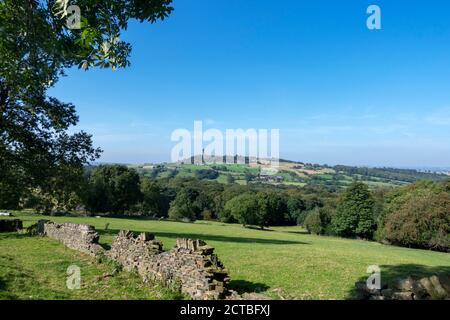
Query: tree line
{"type": "Point", "coordinates": [415, 215]}
{"type": "Point", "coordinates": [120, 190]}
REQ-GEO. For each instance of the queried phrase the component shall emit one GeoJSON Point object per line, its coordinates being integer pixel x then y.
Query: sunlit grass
{"type": "Point", "coordinates": [284, 262]}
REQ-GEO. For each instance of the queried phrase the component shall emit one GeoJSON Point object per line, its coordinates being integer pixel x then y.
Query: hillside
{"type": "Point", "coordinates": [284, 263]}
{"type": "Point", "coordinates": [290, 173]}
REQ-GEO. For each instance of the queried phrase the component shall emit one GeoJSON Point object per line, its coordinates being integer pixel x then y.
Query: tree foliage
{"type": "Point", "coordinates": [318, 221]}
{"type": "Point", "coordinates": [204, 174]}
{"type": "Point", "coordinates": [418, 216]}
{"type": "Point", "coordinates": [355, 213]}
{"type": "Point", "coordinates": [246, 209]}
{"type": "Point", "coordinates": [313, 222]}
{"type": "Point", "coordinates": [297, 208]}
{"type": "Point", "coordinates": [184, 206]}
{"type": "Point", "coordinates": [273, 206]}
{"type": "Point", "coordinates": [155, 200]}
{"type": "Point", "coordinates": [114, 189]}
{"type": "Point", "coordinates": [36, 46]}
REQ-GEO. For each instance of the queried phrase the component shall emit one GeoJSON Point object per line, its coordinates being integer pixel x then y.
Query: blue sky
{"type": "Point", "coordinates": [338, 92]}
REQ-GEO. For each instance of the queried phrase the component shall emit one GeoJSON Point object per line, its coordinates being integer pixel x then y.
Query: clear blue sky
{"type": "Point", "coordinates": [338, 92]}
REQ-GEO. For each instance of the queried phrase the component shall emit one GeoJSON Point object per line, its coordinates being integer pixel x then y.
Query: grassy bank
{"type": "Point", "coordinates": [284, 262]}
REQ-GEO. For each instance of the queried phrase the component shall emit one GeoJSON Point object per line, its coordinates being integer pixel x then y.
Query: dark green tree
{"type": "Point", "coordinates": [11, 190]}
{"type": "Point", "coordinates": [417, 215]}
{"type": "Point", "coordinates": [113, 189]}
{"type": "Point", "coordinates": [245, 208]}
{"type": "Point", "coordinates": [260, 209]}
{"type": "Point", "coordinates": [318, 220]}
{"type": "Point", "coordinates": [204, 174]}
{"type": "Point", "coordinates": [355, 212]}
{"type": "Point", "coordinates": [183, 207]}
{"type": "Point", "coordinates": [297, 208]}
{"type": "Point", "coordinates": [36, 47]}
{"type": "Point", "coordinates": [273, 208]}
{"type": "Point", "coordinates": [231, 191]}
{"type": "Point", "coordinates": [313, 222]}
{"type": "Point", "coordinates": [62, 192]}
{"type": "Point", "coordinates": [155, 201]}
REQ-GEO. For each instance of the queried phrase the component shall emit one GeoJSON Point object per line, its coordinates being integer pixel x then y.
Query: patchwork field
{"type": "Point", "coordinates": [291, 173]}
{"type": "Point", "coordinates": [284, 262]}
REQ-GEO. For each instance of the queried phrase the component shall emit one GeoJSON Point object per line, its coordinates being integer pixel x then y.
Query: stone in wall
{"type": "Point", "coordinates": [10, 225]}
{"type": "Point", "coordinates": [132, 250]}
{"type": "Point", "coordinates": [427, 288]}
{"type": "Point", "coordinates": [80, 237]}
{"type": "Point", "coordinates": [191, 266]}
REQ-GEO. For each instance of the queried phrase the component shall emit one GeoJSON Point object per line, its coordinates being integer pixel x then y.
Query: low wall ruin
{"type": "Point", "coordinates": [80, 237]}
{"type": "Point", "coordinates": [191, 266]}
{"type": "Point", "coordinates": [427, 288]}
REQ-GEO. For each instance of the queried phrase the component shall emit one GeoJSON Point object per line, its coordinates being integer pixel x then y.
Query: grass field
{"type": "Point", "coordinates": [293, 173]}
{"type": "Point", "coordinates": [284, 263]}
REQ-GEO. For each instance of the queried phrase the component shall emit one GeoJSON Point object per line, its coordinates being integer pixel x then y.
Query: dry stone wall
{"type": "Point", "coordinates": [427, 288]}
{"type": "Point", "coordinates": [191, 266]}
{"type": "Point", "coordinates": [80, 237]}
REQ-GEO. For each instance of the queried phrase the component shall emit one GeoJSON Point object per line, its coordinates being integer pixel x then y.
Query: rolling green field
{"type": "Point", "coordinates": [294, 173]}
{"type": "Point", "coordinates": [284, 262]}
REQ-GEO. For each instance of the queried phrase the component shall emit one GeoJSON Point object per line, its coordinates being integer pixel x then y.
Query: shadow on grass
{"type": "Point", "coordinates": [209, 237]}
{"type": "Point", "coordinates": [243, 286]}
{"type": "Point", "coordinates": [128, 217]}
{"type": "Point", "coordinates": [297, 232]}
{"type": "Point", "coordinates": [4, 294]}
{"type": "Point", "coordinates": [257, 228]}
{"type": "Point", "coordinates": [402, 271]}
{"type": "Point", "coordinates": [2, 284]}
{"type": "Point", "coordinates": [13, 235]}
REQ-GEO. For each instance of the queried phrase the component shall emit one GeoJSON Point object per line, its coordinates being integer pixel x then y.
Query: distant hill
{"type": "Point", "coordinates": [289, 173]}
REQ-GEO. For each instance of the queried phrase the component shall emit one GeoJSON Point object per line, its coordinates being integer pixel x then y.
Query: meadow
{"type": "Point", "coordinates": [282, 262]}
